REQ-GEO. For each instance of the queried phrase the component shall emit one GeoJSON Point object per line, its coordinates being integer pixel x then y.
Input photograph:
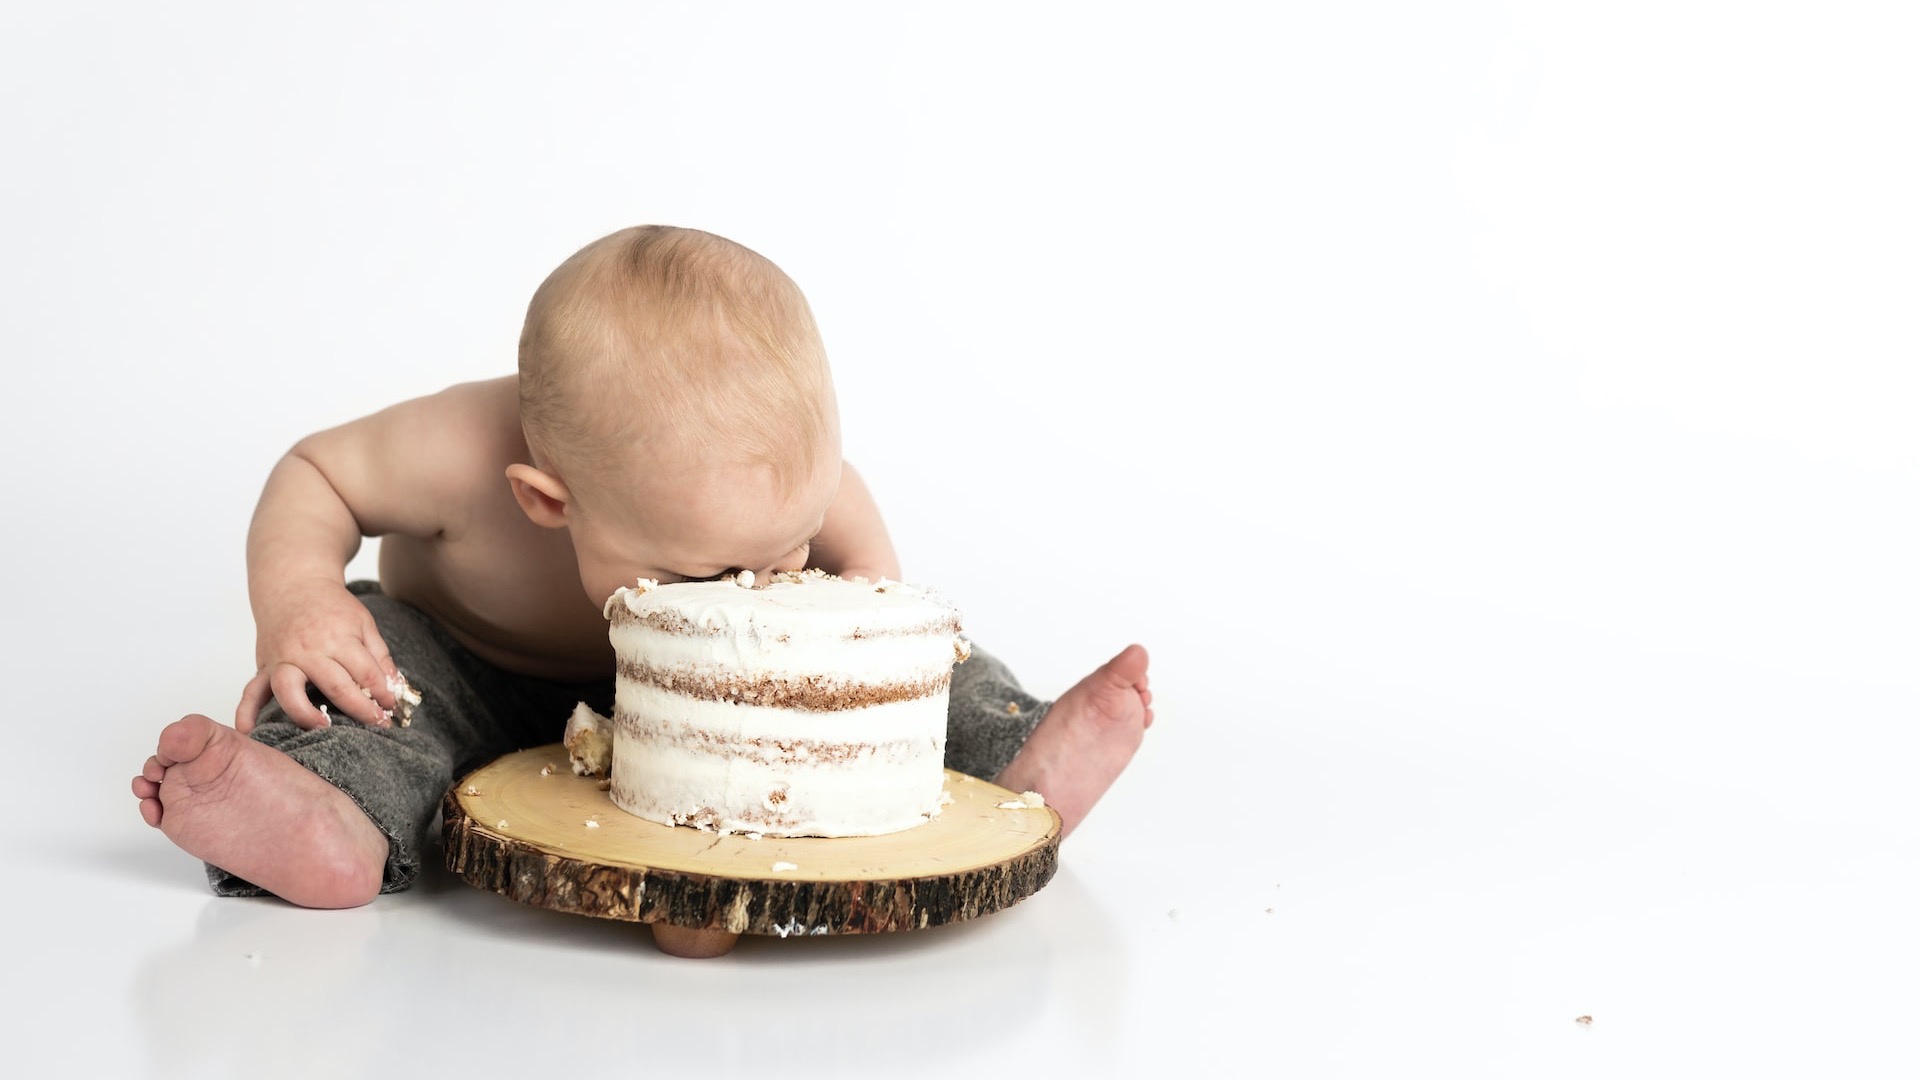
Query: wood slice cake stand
{"type": "Point", "coordinates": [527, 828]}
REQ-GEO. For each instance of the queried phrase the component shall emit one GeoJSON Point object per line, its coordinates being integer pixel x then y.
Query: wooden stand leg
{"type": "Point", "coordinates": [692, 944]}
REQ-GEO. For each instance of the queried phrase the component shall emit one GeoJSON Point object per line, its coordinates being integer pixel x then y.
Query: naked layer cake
{"type": "Point", "coordinates": [810, 705]}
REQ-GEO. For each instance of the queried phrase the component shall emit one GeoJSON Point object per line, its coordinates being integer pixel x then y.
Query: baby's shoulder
{"type": "Point", "coordinates": [474, 423]}
{"type": "Point", "coordinates": [492, 402]}
{"type": "Point", "coordinates": [449, 449]}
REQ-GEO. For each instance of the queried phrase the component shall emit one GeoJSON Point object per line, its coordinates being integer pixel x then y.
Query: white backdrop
{"type": "Point", "coordinates": [1496, 420]}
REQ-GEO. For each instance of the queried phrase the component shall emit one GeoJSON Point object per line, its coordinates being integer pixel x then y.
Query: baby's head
{"type": "Point", "coordinates": [677, 401]}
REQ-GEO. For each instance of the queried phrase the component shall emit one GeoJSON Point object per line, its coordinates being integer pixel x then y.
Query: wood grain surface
{"type": "Point", "coordinates": [525, 827]}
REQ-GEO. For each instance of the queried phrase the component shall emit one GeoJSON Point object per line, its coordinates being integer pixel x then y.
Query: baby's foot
{"type": "Point", "coordinates": [1086, 738]}
{"type": "Point", "coordinates": [260, 815]}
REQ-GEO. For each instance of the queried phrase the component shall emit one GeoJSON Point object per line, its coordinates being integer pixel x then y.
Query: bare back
{"type": "Point", "coordinates": [463, 551]}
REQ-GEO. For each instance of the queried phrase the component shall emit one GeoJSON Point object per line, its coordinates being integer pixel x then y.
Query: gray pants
{"type": "Point", "coordinates": [472, 712]}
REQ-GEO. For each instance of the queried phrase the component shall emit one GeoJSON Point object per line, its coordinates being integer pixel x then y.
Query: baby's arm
{"type": "Point", "coordinates": [329, 491]}
{"type": "Point", "coordinates": [853, 541]}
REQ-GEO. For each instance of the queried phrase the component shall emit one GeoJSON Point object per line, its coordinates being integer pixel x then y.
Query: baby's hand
{"type": "Point", "coordinates": [319, 635]}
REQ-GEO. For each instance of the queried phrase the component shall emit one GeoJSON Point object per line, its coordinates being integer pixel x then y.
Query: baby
{"type": "Point", "coordinates": [673, 418]}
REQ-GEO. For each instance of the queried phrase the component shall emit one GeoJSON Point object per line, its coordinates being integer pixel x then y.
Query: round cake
{"type": "Point", "coordinates": [811, 705]}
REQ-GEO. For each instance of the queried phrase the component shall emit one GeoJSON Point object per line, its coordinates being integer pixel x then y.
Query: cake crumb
{"type": "Point", "coordinates": [1028, 800]}
{"type": "Point", "coordinates": [588, 741]}
{"type": "Point", "coordinates": [547, 769]}
{"type": "Point", "coordinates": [593, 823]}
{"type": "Point", "coordinates": [605, 785]}
{"type": "Point", "coordinates": [1587, 1020]}
{"type": "Point", "coordinates": [501, 824]}
{"type": "Point", "coordinates": [629, 595]}
{"type": "Point", "coordinates": [1013, 708]}
{"type": "Point", "coordinates": [471, 790]}
{"type": "Point", "coordinates": [744, 579]}
{"type": "Point", "coordinates": [405, 698]}
{"type": "Point", "coordinates": [783, 866]}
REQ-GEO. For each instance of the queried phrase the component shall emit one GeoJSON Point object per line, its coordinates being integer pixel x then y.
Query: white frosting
{"type": "Point", "coordinates": [673, 756]}
{"type": "Point", "coordinates": [814, 604]}
{"type": "Point", "coordinates": [859, 752]}
{"type": "Point", "coordinates": [405, 698]}
{"type": "Point", "coordinates": [835, 659]}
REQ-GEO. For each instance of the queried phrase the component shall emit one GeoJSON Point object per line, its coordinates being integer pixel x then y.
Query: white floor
{"type": "Point", "coordinates": [1497, 422]}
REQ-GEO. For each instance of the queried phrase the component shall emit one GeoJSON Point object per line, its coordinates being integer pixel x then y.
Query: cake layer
{"type": "Point", "coordinates": [924, 657]}
{"type": "Point", "coordinates": [810, 706]}
{"type": "Point", "coordinates": [898, 731]}
{"type": "Point", "coordinates": [781, 689]}
{"type": "Point", "coordinates": [743, 768]}
{"type": "Point", "coordinates": [819, 606]}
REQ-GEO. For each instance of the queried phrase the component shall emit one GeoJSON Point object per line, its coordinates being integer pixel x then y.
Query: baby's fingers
{"type": "Point", "coordinates": [344, 689]}
{"type": "Point", "coordinates": [257, 693]}
{"type": "Point", "coordinates": [371, 687]}
{"type": "Point", "coordinates": [377, 646]}
{"type": "Point", "coordinates": [290, 689]}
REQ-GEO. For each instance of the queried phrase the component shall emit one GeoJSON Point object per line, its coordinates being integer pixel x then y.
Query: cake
{"type": "Point", "coordinates": [811, 705]}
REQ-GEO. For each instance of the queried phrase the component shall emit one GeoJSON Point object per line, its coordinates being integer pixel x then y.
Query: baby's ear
{"type": "Point", "coordinates": [542, 496]}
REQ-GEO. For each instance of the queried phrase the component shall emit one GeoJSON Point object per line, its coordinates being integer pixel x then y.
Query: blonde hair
{"type": "Point", "coordinates": [680, 341]}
